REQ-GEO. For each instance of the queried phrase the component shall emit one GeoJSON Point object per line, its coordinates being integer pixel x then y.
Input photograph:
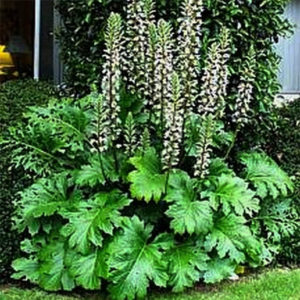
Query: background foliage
{"type": "Point", "coordinates": [283, 143]}
{"type": "Point", "coordinates": [251, 22]}
{"type": "Point", "coordinates": [15, 97]}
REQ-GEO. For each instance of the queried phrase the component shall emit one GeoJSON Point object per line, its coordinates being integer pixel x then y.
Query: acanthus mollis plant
{"type": "Point", "coordinates": [140, 16]}
{"type": "Point", "coordinates": [189, 45]}
{"type": "Point", "coordinates": [135, 193]}
{"type": "Point", "coordinates": [174, 115]}
{"type": "Point", "coordinates": [111, 82]}
{"type": "Point", "coordinates": [215, 77]}
{"type": "Point", "coordinates": [245, 89]}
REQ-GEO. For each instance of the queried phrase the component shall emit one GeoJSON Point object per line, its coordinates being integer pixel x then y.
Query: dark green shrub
{"type": "Point", "coordinates": [284, 145]}
{"type": "Point", "coordinates": [15, 97]}
{"type": "Point", "coordinates": [284, 139]}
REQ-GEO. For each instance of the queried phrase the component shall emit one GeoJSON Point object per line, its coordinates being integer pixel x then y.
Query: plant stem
{"type": "Point", "coordinates": [116, 160]}
{"type": "Point", "coordinates": [232, 142]}
{"type": "Point", "coordinates": [150, 118]}
{"type": "Point", "coordinates": [167, 182]}
{"type": "Point", "coordinates": [102, 166]}
{"type": "Point", "coordinates": [184, 155]}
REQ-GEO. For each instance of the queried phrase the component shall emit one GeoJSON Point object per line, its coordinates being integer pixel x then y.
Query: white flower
{"type": "Point", "coordinates": [215, 77]}
{"type": "Point", "coordinates": [163, 70]}
{"type": "Point", "coordinates": [189, 49]}
{"type": "Point", "coordinates": [245, 89]}
{"type": "Point", "coordinates": [111, 80]}
{"type": "Point", "coordinates": [173, 125]}
{"type": "Point", "coordinates": [204, 147]}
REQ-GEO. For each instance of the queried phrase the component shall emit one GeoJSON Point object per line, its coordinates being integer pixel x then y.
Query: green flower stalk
{"type": "Point", "coordinates": [145, 141]}
{"type": "Point", "coordinates": [163, 70]}
{"type": "Point", "coordinates": [149, 10]}
{"type": "Point", "coordinates": [112, 79]}
{"type": "Point", "coordinates": [189, 50]}
{"type": "Point", "coordinates": [173, 125]}
{"type": "Point", "coordinates": [130, 135]}
{"type": "Point", "coordinates": [245, 89]}
{"type": "Point", "coordinates": [100, 123]}
{"type": "Point", "coordinates": [215, 77]}
{"type": "Point", "coordinates": [204, 147]}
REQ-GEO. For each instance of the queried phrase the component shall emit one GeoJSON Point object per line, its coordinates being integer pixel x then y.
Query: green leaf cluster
{"type": "Point", "coordinates": [84, 229]}
{"type": "Point", "coordinates": [15, 97]}
{"type": "Point", "coordinates": [283, 142]}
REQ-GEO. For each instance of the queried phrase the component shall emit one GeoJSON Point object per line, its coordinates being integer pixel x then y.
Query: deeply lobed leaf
{"type": "Point", "coordinates": [147, 182]}
{"type": "Point", "coordinates": [232, 193]}
{"type": "Point", "coordinates": [186, 263]}
{"type": "Point", "coordinates": [187, 213]}
{"type": "Point", "coordinates": [135, 261]}
{"type": "Point", "coordinates": [231, 237]}
{"type": "Point", "coordinates": [90, 220]}
{"type": "Point", "coordinates": [43, 199]}
{"type": "Point", "coordinates": [266, 175]}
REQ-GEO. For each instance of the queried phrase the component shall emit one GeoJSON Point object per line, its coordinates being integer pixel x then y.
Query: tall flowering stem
{"type": "Point", "coordinates": [130, 135]}
{"type": "Point", "coordinates": [151, 66]}
{"type": "Point", "coordinates": [173, 126]}
{"type": "Point", "coordinates": [189, 50]}
{"type": "Point", "coordinates": [140, 14]}
{"type": "Point", "coordinates": [224, 72]}
{"type": "Point", "coordinates": [163, 70]}
{"type": "Point", "coordinates": [112, 79]}
{"type": "Point", "coordinates": [150, 47]}
{"type": "Point", "coordinates": [98, 140]}
{"type": "Point", "coordinates": [245, 89]}
{"type": "Point", "coordinates": [215, 78]}
{"type": "Point", "coordinates": [145, 141]}
{"type": "Point", "coordinates": [244, 95]}
{"type": "Point", "coordinates": [204, 147]}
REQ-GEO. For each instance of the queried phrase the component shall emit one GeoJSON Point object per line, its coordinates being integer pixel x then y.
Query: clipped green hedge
{"type": "Point", "coordinates": [286, 139]}
{"type": "Point", "coordinates": [284, 146]}
{"type": "Point", "coordinates": [15, 97]}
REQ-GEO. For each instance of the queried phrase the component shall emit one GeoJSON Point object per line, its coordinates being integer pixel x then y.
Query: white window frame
{"type": "Point", "coordinates": [37, 39]}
